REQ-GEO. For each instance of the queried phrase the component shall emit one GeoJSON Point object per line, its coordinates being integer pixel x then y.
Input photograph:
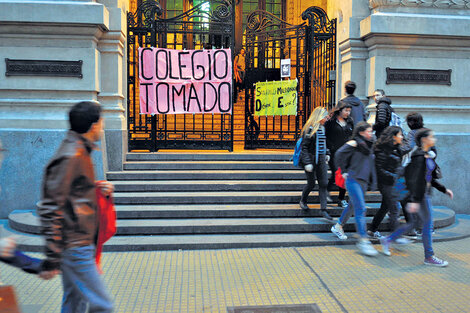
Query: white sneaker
{"type": "Point", "coordinates": [385, 246]}
{"type": "Point", "coordinates": [337, 229]}
{"type": "Point", "coordinates": [403, 241]}
{"type": "Point", "coordinates": [366, 248]}
{"type": "Point", "coordinates": [374, 235]}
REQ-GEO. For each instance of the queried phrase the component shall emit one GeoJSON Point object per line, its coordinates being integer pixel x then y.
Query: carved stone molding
{"type": "Point", "coordinates": [441, 4]}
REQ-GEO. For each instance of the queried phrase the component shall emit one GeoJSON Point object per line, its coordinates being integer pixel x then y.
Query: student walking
{"type": "Point", "coordinates": [68, 213]}
{"type": "Point", "coordinates": [421, 175]}
{"type": "Point", "coordinates": [339, 130]}
{"type": "Point", "coordinates": [356, 161]}
{"type": "Point", "coordinates": [388, 160]}
{"type": "Point", "coordinates": [314, 156]}
{"type": "Point", "coordinates": [415, 122]}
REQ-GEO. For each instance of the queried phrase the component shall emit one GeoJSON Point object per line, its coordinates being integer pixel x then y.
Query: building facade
{"type": "Point", "coordinates": [58, 53]}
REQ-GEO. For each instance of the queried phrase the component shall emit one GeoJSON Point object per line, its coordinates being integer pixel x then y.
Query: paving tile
{"type": "Point", "coordinates": [336, 278]}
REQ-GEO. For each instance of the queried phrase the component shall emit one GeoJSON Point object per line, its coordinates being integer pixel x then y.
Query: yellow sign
{"type": "Point", "coordinates": [276, 98]}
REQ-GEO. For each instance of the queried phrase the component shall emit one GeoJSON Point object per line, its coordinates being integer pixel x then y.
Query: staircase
{"type": "Point", "coordinates": [217, 200]}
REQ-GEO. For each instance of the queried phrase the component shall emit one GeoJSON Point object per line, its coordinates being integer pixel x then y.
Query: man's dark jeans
{"type": "Point", "coordinates": [389, 204]}
{"type": "Point", "coordinates": [320, 173]}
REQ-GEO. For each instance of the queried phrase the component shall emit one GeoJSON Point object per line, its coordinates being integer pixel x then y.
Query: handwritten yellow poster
{"type": "Point", "coordinates": [276, 98]}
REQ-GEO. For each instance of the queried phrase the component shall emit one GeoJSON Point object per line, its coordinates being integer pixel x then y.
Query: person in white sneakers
{"type": "Point", "coordinates": [421, 175]}
{"type": "Point", "coordinates": [356, 160]}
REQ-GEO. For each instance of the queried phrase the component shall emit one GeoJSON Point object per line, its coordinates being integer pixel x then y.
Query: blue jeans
{"type": "Point", "coordinates": [357, 203]}
{"type": "Point", "coordinates": [26, 263]}
{"type": "Point", "coordinates": [82, 283]}
{"type": "Point", "coordinates": [425, 214]}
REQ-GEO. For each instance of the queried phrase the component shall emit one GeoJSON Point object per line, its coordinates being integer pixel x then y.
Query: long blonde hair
{"type": "Point", "coordinates": [314, 120]}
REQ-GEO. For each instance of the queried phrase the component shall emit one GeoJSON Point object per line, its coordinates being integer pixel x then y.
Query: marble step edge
{"type": "Point", "coordinates": [33, 243]}
{"type": "Point", "coordinates": [28, 222]}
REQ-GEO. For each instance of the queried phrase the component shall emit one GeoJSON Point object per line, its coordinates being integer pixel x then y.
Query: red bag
{"type": "Point", "coordinates": [339, 179]}
{"type": "Point", "coordinates": [107, 218]}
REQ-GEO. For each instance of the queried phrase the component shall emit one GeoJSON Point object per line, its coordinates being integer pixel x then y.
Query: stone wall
{"type": "Point", "coordinates": [427, 34]}
{"type": "Point", "coordinates": [34, 109]}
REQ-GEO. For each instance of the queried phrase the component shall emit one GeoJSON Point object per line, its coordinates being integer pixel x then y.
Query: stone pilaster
{"type": "Point", "coordinates": [113, 79]}
{"type": "Point", "coordinates": [34, 108]}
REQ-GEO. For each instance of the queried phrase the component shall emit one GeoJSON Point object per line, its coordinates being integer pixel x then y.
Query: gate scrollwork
{"type": "Point", "coordinates": [260, 21]}
{"type": "Point", "coordinates": [317, 19]}
{"type": "Point", "coordinates": [145, 15]}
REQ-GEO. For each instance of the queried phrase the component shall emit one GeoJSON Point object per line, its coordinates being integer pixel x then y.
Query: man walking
{"type": "Point", "coordinates": [69, 216]}
{"type": "Point", "coordinates": [358, 111]}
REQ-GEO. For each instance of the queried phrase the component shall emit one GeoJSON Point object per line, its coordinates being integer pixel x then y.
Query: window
{"type": "Point", "coordinates": [272, 6]}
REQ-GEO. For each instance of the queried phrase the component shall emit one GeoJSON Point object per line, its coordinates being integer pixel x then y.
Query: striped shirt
{"type": "Point", "coordinates": [321, 143]}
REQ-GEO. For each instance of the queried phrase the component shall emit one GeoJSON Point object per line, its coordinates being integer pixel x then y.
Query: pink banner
{"type": "Point", "coordinates": [185, 81]}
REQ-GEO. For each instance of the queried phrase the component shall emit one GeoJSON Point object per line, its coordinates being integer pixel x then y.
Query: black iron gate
{"type": "Point", "coordinates": [311, 47]}
{"type": "Point", "coordinates": [209, 24]}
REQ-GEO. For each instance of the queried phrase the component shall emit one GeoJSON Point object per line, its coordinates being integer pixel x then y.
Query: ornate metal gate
{"type": "Point", "coordinates": [209, 24]}
{"type": "Point", "coordinates": [311, 47]}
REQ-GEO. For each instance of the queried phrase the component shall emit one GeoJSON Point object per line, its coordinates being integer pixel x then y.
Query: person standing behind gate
{"type": "Point", "coordinates": [68, 213]}
{"type": "Point", "coordinates": [314, 157]}
{"type": "Point", "coordinates": [239, 63]}
{"type": "Point", "coordinates": [358, 111]}
{"type": "Point", "coordinates": [338, 129]}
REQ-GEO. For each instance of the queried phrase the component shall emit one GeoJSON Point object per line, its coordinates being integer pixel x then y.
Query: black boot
{"type": "Point", "coordinates": [326, 215]}
{"type": "Point", "coordinates": [304, 206]}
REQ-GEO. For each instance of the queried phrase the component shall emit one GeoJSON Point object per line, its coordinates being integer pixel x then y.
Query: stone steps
{"type": "Point", "coordinates": [207, 185]}
{"type": "Point", "coordinates": [28, 222]}
{"type": "Point", "coordinates": [458, 230]}
{"type": "Point", "coordinates": [195, 175]}
{"type": "Point", "coordinates": [226, 197]}
{"type": "Point", "coordinates": [209, 165]}
{"type": "Point", "coordinates": [183, 200]}
{"type": "Point", "coordinates": [226, 211]}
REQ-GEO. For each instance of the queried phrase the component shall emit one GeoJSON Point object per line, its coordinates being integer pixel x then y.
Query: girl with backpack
{"type": "Point", "coordinates": [314, 157]}
{"type": "Point", "coordinates": [421, 175]}
{"type": "Point", "coordinates": [356, 161]}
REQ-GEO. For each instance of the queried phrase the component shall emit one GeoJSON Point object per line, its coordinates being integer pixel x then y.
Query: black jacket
{"type": "Point", "coordinates": [358, 162]}
{"type": "Point", "coordinates": [415, 176]}
{"type": "Point", "coordinates": [387, 164]}
{"type": "Point", "coordinates": [383, 116]}
{"type": "Point", "coordinates": [307, 154]}
{"type": "Point", "coordinates": [337, 135]}
{"type": "Point", "coordinates": [358, 111]}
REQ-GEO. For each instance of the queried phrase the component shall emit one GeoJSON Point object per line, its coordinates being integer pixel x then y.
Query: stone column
{"type": "Point", "coordinates": [33, 118]}
{"type": "Point", "coordinates": [113, 83]}
{"type": "Point", "coordinates": [352, 52]}
{"type": "Point", "coordinates": [426, 35]}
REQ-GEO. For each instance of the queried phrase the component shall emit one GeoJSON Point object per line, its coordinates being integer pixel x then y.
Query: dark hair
{"type": "Point", "coordinates": [381, 91]}
{"type": "Point", "coordinates": [420, 134]}
{"type": "Point", "coordinates": [83, 115]}
{"type": "Point", "coordinates": [414, 120]}
{"type": "Point", "coordinates": [359, 128]}
{"type": "Point", "coordinates": [386, 139]}
{"type": "Point", "coordinates": [350, 87]}
{"type": "Point", "coordinates": [340, 107]}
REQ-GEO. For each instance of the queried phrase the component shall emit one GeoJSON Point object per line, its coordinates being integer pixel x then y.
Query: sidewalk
{"type": "Point", "coordinates": [336, 278]}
